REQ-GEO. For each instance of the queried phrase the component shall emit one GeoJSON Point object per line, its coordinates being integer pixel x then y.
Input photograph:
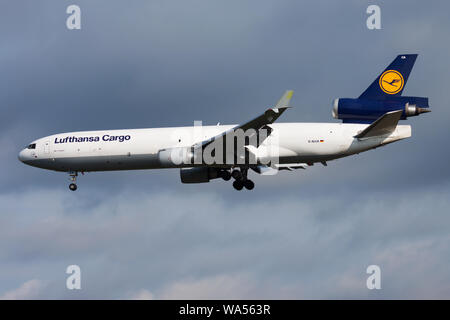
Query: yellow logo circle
{"type": "Point", "coordinates": [391, 81]}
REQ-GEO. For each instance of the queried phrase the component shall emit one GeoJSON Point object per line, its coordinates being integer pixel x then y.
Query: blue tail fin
{"type": "Point", "coordinates": [392, 80]}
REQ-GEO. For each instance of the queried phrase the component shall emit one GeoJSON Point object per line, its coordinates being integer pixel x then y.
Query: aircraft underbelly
{"type": "Point", "coordinates": [100, 163]}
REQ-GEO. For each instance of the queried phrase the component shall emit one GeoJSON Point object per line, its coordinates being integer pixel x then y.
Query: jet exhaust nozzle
{"type": "Point", "coordinates": [413, 110]}
{"type": "Point", "coordinates": [423, 110]}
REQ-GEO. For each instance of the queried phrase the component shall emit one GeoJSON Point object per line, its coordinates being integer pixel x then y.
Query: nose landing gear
{"type": "Point", "coordinates": [73, 178]}
{"type": "Point", "coordinates": [73, 186]}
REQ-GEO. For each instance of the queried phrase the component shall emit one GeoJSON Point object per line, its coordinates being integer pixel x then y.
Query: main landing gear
{"type": "Point", "coordinates": [240, 179]}
{"type": "Point", "coordinates": [73, 178]}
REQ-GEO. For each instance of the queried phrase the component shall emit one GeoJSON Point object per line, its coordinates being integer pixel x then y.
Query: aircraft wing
{"type": "Point", "coordinates": [258, 123]}
{"type": "Point", "coordinates": [384, 125]}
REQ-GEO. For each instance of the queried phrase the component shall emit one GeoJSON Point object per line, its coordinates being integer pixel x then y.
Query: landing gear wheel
{"type": "Point", "coordinates": [73, 178]}
{"type": "Point", "coordinates": [249, 184]}
{"type": "Point", "coordinates": [238, 185]}
{"type": "Point", "coordinates": [236, 174]}
{"type": "Point", "coordinates": [226, 175]}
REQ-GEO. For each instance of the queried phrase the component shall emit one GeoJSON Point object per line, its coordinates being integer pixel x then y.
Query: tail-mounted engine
{"type": "Point", "coordinates": [362, 110]}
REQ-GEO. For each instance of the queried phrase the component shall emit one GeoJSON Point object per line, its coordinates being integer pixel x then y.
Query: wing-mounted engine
{"type": "Point", "coordinates": [199, 174]}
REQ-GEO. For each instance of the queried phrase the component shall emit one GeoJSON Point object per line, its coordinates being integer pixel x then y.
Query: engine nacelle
{"type": "Point", "coordinates": [198, 174]}
{"type": "Point", "coordinates": [173, 157]}
{"type": "Point", "coordinates": [350, 110]}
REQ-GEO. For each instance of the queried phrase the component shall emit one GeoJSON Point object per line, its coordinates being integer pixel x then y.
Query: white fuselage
{"type": "Point", "coordinates": [138, 148]}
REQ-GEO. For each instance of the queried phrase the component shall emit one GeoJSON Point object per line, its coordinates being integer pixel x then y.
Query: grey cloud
{"type": "Point", "coordinates": [28, 290]}
{"type": "Point", "coordinates": [299, 247]}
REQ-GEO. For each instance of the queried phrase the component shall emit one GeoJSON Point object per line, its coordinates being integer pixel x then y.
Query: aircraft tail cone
{"type": "Point", "coordinates": [423, 110]}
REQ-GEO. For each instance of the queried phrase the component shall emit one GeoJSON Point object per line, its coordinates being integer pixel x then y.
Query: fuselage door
{"type": "Point", "coordinates": [47, 147]}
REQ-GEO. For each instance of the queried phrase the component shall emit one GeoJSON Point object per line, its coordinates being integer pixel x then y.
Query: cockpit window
{"type": "Point", "coordinates": [32, 146]}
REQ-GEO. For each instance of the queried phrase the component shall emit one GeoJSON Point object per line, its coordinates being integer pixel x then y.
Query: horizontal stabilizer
{"type": "Point", "coordinates": [384, 125]}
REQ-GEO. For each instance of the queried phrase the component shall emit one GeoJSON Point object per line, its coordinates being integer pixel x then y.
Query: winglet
{"type": "Point", "coordinates": [384, 125]}
{"type": "Point", "coordinates": [285, 99]}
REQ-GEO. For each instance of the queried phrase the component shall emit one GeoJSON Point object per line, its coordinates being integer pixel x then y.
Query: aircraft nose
{"type": "Point", "coordinates": [22, 157]}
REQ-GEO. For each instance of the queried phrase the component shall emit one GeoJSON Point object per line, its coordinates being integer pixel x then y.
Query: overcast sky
{"type": "Point", "coordinates": [142, 234]}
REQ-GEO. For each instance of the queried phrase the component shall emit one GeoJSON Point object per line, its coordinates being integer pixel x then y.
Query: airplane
{"type": "Point", "coordinates": [204, 153]}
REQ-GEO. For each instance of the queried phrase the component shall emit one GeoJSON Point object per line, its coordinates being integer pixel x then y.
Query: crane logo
{"type": "Point", "coordinates": [391, 81]}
